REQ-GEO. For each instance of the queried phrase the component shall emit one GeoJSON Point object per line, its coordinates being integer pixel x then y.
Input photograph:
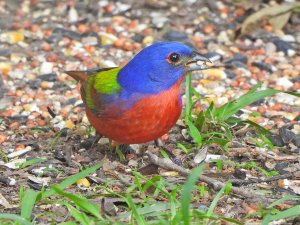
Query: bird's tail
{"type": "Point", "coordinates": [80, 76]}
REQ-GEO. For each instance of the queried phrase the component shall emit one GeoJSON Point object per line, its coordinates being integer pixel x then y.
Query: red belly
{"type": "Point", "coordinates": [148, 119]}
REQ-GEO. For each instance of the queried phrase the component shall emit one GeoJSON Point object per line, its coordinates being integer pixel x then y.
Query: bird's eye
{"type": "Point", "coordinates": [174, 57]}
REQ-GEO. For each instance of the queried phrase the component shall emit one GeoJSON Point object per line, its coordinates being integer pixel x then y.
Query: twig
{"type": "Point", "coordinates": [259, 180]}
{"type": "Point", "coordinates": [103, 181]}
{"type": "Point", "coordinates": [217, 185]}
{"type": "Point", "coordinates": [244, 130]}
{"type": "Point", "coordinates": [270, 154]}
{"type": "Point", "coordinates": [277, 157]}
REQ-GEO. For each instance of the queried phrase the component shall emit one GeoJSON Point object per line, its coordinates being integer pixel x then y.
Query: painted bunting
{"type": "Point", "coordinates": [141, 101]}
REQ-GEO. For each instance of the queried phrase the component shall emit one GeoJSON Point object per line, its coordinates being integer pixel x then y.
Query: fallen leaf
{"type": "Point", "coordinates": [4, 202]}
{"type": "Point", "coordinates": [279, 21]}
{"type": "Point", "coordinates": [40, 180]}
{"type": "Point", "coordinates": [149, 169]}
{"type": "Point", "coordinates": [169, 173]}
{"type": "Point", "coordinates": [201, 155]}
{"type": "Point", "coordinates": [15, 164]}
{"type": "Point", "coordinates": [295, 186]}
{"type": "Point", "coordinates": [251, 23]}
{"type": "Point", "coordinates": [83, 182]}
{"type": "Point", "coordinates": [12, 37]}
{"type": "Point", "coordinates": [108, 207]}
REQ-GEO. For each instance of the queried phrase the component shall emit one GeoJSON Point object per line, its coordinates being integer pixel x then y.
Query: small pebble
{"type": "Point", "coordinates": [5, 68]}
{"type": "Point", "coordinates": [48, 77]}
{"type": "Point", "coordinates": [286, 135]}
{"type": "Point", "coordinates": [46, 68]}
{"type": "Point", "coordinates": [174, 35]}
{"type": "Point", "coordinates": [282, 46]}
{"type": "Point", "coordinates": [72, 15]}
{"type": "Point", "coordinates": [12, 37]}
{"type": "Point", "coordinates": [19, 152]}
{"type": "Point", "coordinates": [270, 48]}
{"type": "Point", "coordinates": [91, 40]}
{"type": "Point", "coordinates": [238, 58]}
{"type": "Point", "coordinates": [276, 140]}
{"type": "Point", "coordinates": [148, 40]}
{"type": "Point", "coordinates": [284, 82]}
{"type": "Point", "coordinates": [230, 74]}
{"type": "Point", "coordinates": [264, 66]}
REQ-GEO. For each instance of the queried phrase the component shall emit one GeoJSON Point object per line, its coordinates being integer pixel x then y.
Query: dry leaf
{"type": "Point", "coordinates": [169, 173]}
{"type": "Point", "coordinates": [269, 13]}
{"type": "Point", "coordinates": [4, 202]}
{"type": "Point", "coordinates": [83, 182]}
{"type": "Point", "coordinates": [201, 155]}
{"type": "Point", "coordinates": [295, 186]}
{"type": "Point", "coordinates": [279, 21]}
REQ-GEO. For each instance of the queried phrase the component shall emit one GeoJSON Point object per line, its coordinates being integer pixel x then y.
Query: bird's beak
{"type": "Point", "coordinates": [196, 61]}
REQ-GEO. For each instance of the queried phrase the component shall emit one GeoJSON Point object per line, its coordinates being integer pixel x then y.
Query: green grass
{"type": "Point", "coordinates": [176, 208]}
{"type": "Point", "coordinates": [155, 200]}
{"type": "Point", "coordinates": [214, 126]}
{"type": "Point", "coordinates": [3, 156]}
{"type": "Point", "coordinates": [31, 162]}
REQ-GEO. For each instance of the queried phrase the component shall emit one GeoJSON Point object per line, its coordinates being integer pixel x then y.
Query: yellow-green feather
{"type": "Point", "coordinates": [88, 97]}
{"type": "Point", "coordinates": [104, 82]}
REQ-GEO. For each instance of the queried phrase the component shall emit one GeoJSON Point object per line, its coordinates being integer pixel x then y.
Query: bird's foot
{"type": "Point", "coordinates": [127, 149]}
{"type": "Point", "coordinates": [120, 153]}
{"type": "Point", "coordinates": [173, 157]}
{"type": "Point", "coordinates": [122, 150]}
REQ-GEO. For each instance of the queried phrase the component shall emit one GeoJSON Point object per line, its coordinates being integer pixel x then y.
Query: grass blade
{"type": "Point", "coordinates": [188, 96]}
{"type": "Point", "coordinates": [291, 212]}
{"type": "Point", "coordinates": [81, 217]}
{"type": "Point", "coordinates": [257, 126]}
{"type": "Point", "coordinates": [31, 162]}
{"type": "Point", "coordinates": [152, 183]}
{"type": "Point", "coordinates": [82, 203]}
{"type": "Point", "coordinates": [292, 93]}
{"type": "Point", "coordinates": [217, 198]}
{"type": "Point", "coordinates": [285, 198]}
{"type": "Point", "coordinates": [231, 221]}
{"type": "Point", "coordinates": [14, 217]}
{"type": "Point", "coordinates": [28, 202]}
{"type": "Point", "coordinates": [71, 180]}
{"type": "Point", "coordinates": [139, 219]}
{"type": "Point", "coordinates": [68, 223]}
{"type": "Point", "coordinates": [186, 194]}
{"type": "Point", "coordinates": [194, 132]}
{"type": "Point", "coordinates": [230, 108]}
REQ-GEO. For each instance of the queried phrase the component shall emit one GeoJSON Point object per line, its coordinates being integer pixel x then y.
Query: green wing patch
{"type": "Point", "coordinates": [103, 82]}
{"type": "Point", "coordinates": [106, 81]}
{"type": "Point", "coordinates": [88, 92]}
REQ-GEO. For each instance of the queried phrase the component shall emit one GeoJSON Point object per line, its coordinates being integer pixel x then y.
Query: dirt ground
{"type": "Point", "coordinates": [42, 118]}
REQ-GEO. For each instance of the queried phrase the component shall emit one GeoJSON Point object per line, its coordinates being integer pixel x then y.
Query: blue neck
{"type": "Point", "coordinates": [135, 77]}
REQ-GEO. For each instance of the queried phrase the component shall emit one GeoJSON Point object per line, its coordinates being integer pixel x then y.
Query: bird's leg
{"type": "Point", "coordinates": [121, 149]}
{"type": "Point", "coordinates": [120, 153]}
{"type": "Point", "coordinates": [126, 149]}
{"type": "Point", "coordinates": [159, 143]}
{"type": "Point", "coordinates": [96, 139]}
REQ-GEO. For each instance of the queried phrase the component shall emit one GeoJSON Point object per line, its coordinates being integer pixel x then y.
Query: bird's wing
{"type": "Point", "coordinates": [98, 87]}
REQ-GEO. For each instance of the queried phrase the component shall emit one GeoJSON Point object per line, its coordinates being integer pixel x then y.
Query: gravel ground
{"type": "Point", "coordinates": [42, 115]}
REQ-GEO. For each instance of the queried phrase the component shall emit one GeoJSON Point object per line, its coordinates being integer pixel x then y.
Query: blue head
{"type": "Point", "coordinates": [158, 67]}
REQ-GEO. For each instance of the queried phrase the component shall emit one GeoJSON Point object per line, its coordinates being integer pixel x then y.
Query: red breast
{"type": "Point", "coordinates": [150, 118]}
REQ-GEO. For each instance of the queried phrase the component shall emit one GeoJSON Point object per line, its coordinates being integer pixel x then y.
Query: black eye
{"type": "Point", "coordinates": [174, 57]}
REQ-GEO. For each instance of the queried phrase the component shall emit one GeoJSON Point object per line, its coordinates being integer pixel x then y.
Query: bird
{"type": "Point", "coordinates": [141, 101]}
